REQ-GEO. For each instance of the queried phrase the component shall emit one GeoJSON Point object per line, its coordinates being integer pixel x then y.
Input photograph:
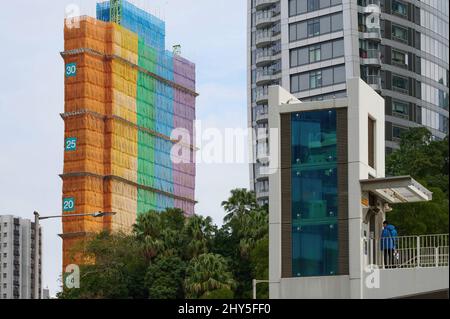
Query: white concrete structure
{"type": "Point", "coordinates": [363, 203]}
{"type": "Point", "coordinates": [17, 259]}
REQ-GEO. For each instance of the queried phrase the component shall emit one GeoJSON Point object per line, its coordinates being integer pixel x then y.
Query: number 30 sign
{"type": "Point", "coordinates": [71, 69]}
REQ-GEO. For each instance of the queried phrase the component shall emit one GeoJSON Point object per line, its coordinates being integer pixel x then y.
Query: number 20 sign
{"type": "Point", "coordinates": [71, 69]}
{"type": "Point", "coordinates": [69, 204]}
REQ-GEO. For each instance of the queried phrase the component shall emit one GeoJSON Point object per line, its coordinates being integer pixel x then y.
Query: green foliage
{"type": "Point", "coordinates": [426, 161]}
{"type": "Point", "coordinates": [218, 294]}
{"type": "Point", "coordinates": [206, 273]}
{"type": "Point", "coordinates": [259, 258]}
{"type": "Point", "coordinates": [240, 202]}
{"type": "Point", "coordinates": [118, 271]}
{"type": "Point", "coordinates": [164, 278]}
{"type": "Point", "coordinates": [169, 256]}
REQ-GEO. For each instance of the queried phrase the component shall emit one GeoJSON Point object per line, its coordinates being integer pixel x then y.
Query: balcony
{"type": "Point", "coordinates": [267, 18]}
{"type": "Point", "coordinates": [262, 194]}
{"type": "Point", "coordinates": [370, 33]}
{"type": "Point", "coordinates": [261, 4]}
{"type": "Point", "coordinates": [374, 81]}
{"type": "Point", "coordinates": [267, 76]}
{"type": "Point", "coordinates": [262, 117]}
{"type": "Point", "coordinates": [370, 57]}
{"type": "Point", "coordinates": [267, 57]}
{"type": "Point", "coordinates": [417, 265]}
{"type": "Point", "coordinates": [266, 38]}
{"type": "Point", "coordinates": [262, 95]}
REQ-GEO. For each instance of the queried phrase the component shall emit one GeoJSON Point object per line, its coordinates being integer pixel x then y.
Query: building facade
{"type": "Point", "coordinates": [329, 198]}
{"type": "Point", "coordinates": [17, 259]}
{"type": "Point", "coordinates": [125, 94]}
{"type": "Point", "coordinates": [310, 47]}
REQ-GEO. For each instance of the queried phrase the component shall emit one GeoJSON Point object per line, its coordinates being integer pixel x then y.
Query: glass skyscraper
{"type": "Point", "coordinates": [310, 47]}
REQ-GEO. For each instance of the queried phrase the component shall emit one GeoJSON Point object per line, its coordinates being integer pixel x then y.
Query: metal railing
{"type": "Point", "coordinates": [411, 251]}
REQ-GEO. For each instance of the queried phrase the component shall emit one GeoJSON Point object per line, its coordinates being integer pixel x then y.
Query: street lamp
{"type": "Point", "coordinates": [37, 218]}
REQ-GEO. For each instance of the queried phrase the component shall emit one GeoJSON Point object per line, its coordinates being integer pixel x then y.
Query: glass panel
{"type": "Point", "coordinates": [315, 79]}
{"type": "Point", "coordinates": [336, 22]}
{"type": "Point", "coordinates": [314, 194]}
{"type": "Point", "coordinates": [303, 56]}
{"type": "Point", "coordinates": [325, 25]}
{"type": "Point", "coordinates": [338, 48]}
{"type": "Point", "coordinates": [339, 74]}
{"type": "Point", "coordinates": [314, 54]}
{"type": "Point", "coordinates": [327, 77]}
{"type": "Point", "coordinates": [326, 51]}
{"type": "Point", "coordinates": [304, 81]}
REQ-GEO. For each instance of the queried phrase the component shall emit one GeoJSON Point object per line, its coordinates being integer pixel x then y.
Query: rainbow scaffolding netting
{"type": "Point", "coordinates": [124, 96]}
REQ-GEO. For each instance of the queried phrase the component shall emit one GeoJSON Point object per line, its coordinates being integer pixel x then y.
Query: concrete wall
{"type": "Point", "coordinates": [397, 283]}
{"type": "Point", "coordinates": [335, 287]}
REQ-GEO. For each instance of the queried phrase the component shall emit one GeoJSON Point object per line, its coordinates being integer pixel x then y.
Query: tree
{"type": "Point", "coordinates": [259, 258]}
{"type": "Point", "coordinates": [426, 160]}
{"type": "Point", "coordinates": [218, 294]}
{"type": "Point", "coordinates": [205, 274]}
{"type": "Point", "coordinates": [148, 232]}
{"type": "Point", "coordinates": [199, 232]}
{"type": "Point", "coordinates": [117, 272]}
{"type": "Point", "coordinates": [164, 278]}
{"type": "Point", "coordinates": [240, 202]}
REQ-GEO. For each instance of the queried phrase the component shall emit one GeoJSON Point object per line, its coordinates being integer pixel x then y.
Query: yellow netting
{"type": "Point", "coordinates": [122, 199]}
{"type": "Point", "coordinates": [125, 43]}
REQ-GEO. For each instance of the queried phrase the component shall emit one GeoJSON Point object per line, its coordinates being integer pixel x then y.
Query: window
{"type": "Point", "coordinates": [338, 48]}
{"type": "Point", "coordinates": [317, 52]}
{"type": "Point", "coordinates": [318, 78]}
{"type": "Point", "coordinates": [313, 27]}
{"type": "Point", "coordinates": [400, 33]}
{"type": "Point", "coordinates": [297, 7]}
{"type": "Point", "coordinates": [399, 58]}
{"type": "Point", "coordinates": [315, 79]}
{"type": "Point", "coordinates": [400, 84]}
{"type": "Point", "coordinates": [399, 8]}
{"type": "Point", "coordinates": [325, 25]}
{"type": "Point", "coordinates": [314, 53]}
{"type": "Point", "coordinates": [371, 144]}
{"type": "Point", "coordinates": [313, 5]}
{"type": "Point", "coordinates": [339, 74]}
{"type": "Point", "coordinates": [336, 22]}
{"type": "Point", "coordinates": [400, 109]}
{"type": "Point", "coordinates": [397, 132]}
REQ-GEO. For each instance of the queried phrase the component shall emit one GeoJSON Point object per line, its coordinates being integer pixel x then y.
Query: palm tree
{"type": "Point", "coordinates": [240, 202]}
{"type": "Point", "coordinates": [199, 231]}
{"type": "Point", "coordinates": [148, 232]}
{"type": "Point", "coordinates": [207, 273]}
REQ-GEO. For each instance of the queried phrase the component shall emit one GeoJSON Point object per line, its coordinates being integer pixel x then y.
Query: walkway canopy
{"type": "Point", "coordinates": [397, 190]}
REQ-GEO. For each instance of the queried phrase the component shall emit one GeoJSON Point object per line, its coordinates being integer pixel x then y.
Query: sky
{"type": "Point", "coordinates": [212, 35]}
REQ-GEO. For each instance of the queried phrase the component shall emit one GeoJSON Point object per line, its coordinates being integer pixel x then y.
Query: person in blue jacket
{"type": "Point", "coordinates": [388, 243]}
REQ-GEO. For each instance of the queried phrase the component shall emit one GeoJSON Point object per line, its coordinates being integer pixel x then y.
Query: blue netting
{"type": "Point", "coordinates": [148, 27]}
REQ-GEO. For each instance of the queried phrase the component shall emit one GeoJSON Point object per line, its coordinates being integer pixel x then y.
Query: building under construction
{"type": "Point", "coordinates": [124, 96]}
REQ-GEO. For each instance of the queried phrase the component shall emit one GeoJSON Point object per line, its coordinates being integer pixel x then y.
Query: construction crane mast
{"type": "Point", "coordinates": [116, 11]}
